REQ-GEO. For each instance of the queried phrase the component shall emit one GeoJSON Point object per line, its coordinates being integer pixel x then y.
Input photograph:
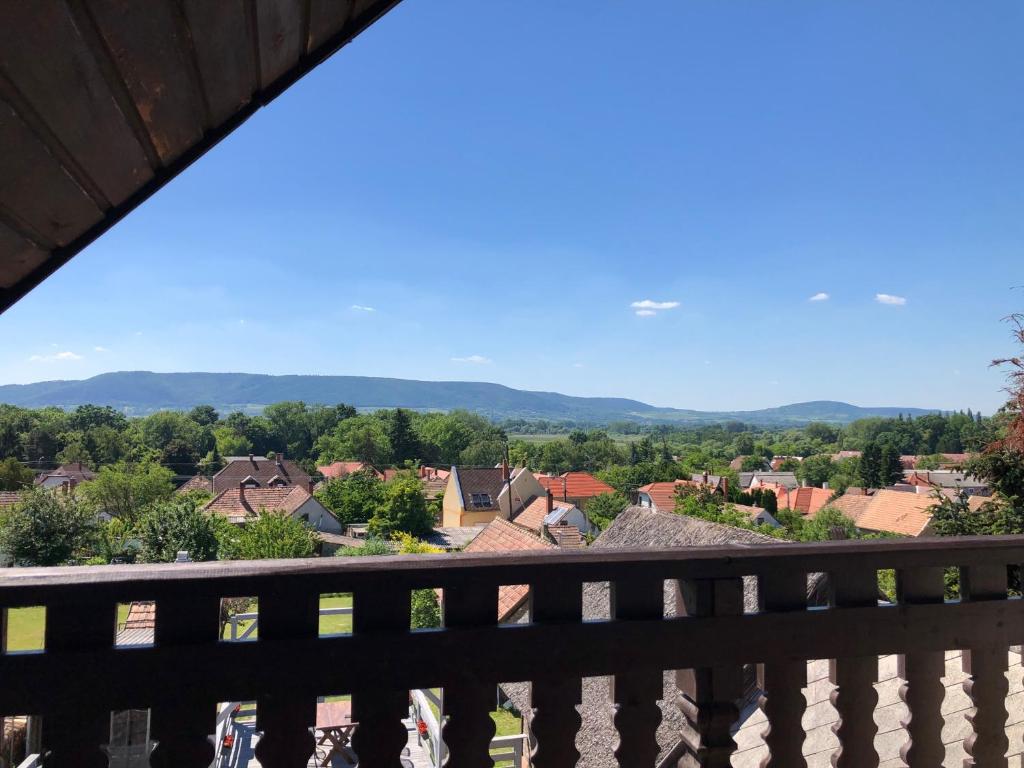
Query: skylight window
{"type": "Point", "coordinates": [481, 500]}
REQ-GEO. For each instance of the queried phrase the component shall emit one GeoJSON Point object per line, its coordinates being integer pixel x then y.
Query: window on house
{"type": "Point", "coordinates": [481, 500]}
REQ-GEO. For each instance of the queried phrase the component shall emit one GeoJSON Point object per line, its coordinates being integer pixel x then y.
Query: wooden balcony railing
{"type": "Point", "coordinates": [81, 676]}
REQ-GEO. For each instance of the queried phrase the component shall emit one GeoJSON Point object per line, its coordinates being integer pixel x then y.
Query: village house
{"type": "Point", "coordinates": [759, 479]}
{"type": "Point", "coordinates": [342, 469]}
{"type": "Point", "coordinates": [805, 500]}
{"type": "Point", "coordinates": [241, 503]}
{"type": "Point", "coordinates": [477, 495]}
{"type": "Point", "coordinates": [69, 475]}
{"type": "Point", "coordinates": [260, 472]}
{"type": "Point", "coordinates": [575, 487]}
{"type": "Point", "coordinates": [662, 497]}
{"type": "Point", "coordinates": [545, 514]}
{"type": "Point", "coordinates": [196, 483]}
{"type": "Point", "coordinates": [891, 511]}
{"type": "Point", "coordinates": [945, 479]}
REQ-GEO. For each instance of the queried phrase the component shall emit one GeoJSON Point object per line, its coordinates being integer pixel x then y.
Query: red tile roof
{"type": "Point", "coordinates": [806, 501]}
{"type": "Point", "coordinates": [236, 506]}
{"type": "Point", "coordinates": [502, 536]}
{"type": "Point", "coordinates": [197, 483]}
{"type": "Point", "coordinates": [344, 468]}
{"type": "Point", "coordinates": [574, 485]}
{"type": "Point", "coordinates": [141, 615]}
{"type": "Point", "coordinates": [261, 470]}
{"type": "Point", "coordinates": [853, 505]}
{"type": "Point", "coordinates": [567, 536]}
{"type": "Point", "coordinates": [897, 512]}
{"type": "Point", "coordinates": [664, 495]}
{"type": "Point", "coordinates": [533, 516]}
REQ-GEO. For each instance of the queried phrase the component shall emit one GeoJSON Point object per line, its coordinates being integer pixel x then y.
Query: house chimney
{"type": "Point", "coordinates": [565, 489]}
{"type": "Point", "coordinates": [241, 491]}
{"type": "Point", "coordinates": [551, 501]}
{"type": "Point", "coordinates": [251, 459]}
{"type": "Point", "coordinates": [279, 458]}
{"type": "Point", "coordinates": [825, 485]}
{"type": "Point", "coordinates": [504, 471]}
{"type": "Point", "coordinates": [705, 477]}
{"type": "Point", "coordinates": [725, 487]}
{"type": "Point", "coordinates": [310, 485]}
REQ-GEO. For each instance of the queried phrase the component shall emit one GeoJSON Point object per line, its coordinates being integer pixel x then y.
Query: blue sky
{"type": "Point", "coordinates": [483, 190]}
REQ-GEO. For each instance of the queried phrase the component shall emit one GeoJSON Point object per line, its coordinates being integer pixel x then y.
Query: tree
{"type": "Point", "coordinates": [47, 528]}
{"type": "Point", "coordinates": [404, 443]}
{"type": "Point", "coordinates": [752, 464]}
{"type": "Point", "coordinates": [815, 470]}
{"type": "Point", "coordinates": [828, 525]}
{"type": "Point", "coordinates": [14, 475]}
{"type": "Point", "coordinates": [204, 415]}
{"type": "Point", "coordinates": [354, 498]}
{"type": "Point", "coordinates": [603, 509]}
{"type": "Point", "coordinates": [403, 509]}
{"type": "Point", "coordinates": [176, 526]}
{"type": "Point", "coordinates": [871, 466]}
{"type": "Point", "coordinates": [891, 468]}
{"type": "Point", "coordinates": [126, 489]}
{"type": "Point", "coordinates": [270, 535]}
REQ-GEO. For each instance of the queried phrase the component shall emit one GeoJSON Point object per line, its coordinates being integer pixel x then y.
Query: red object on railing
{"type": "Point", "coordinates": [421, 726]}
{"type": "Point", "coordinates": [229, 740]}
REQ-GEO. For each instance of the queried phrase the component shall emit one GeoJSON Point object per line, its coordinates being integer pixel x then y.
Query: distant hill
{"type": "Point", "coordinates": [141, 392]}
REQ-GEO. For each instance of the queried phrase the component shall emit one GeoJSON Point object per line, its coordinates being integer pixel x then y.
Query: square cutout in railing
{"type": "Point", "coordinates": [425, 609]}
{"type": "Point", "coordinates": [26, 630]}
{"type": "Point", "coordinates": [239, 619]}
{"type": "Point", "coordinates": [335, 614]}
{"type": "Point", "coordinates": [135, 624]}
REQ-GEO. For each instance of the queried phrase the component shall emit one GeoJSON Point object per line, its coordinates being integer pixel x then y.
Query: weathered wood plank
{"type": "Point", "coordinates": [378, 706]}
{"type": "Point", "coordinates": [280, 24]}
{"type": "Point", "coordinates": [781, 681]}
{"type": "Point", "coordinates": [182, 723]}
{"type": "Point", "coordinates": [468, 701]}
{"type": "Point", "coordinates": [220, 36]}
{"type": "Point", "coordinates": [85, 120]}
{"type": "Point", "coordinates": [76, 725]}
{"type": "Point", "coordinates": [554, 697]}
{"type": "Point", "coordinates": [37, 195]}
{"type": "Point", "coordinates": [635, 694]}
{"type": "Point", "coordinates": [922, 690]}
{"type": "Point", "coordinates": [19, 256]}
{"type": "Point", "coordinates": [327, 18]}
{"type": "Point", "coordinates": [145, 45]}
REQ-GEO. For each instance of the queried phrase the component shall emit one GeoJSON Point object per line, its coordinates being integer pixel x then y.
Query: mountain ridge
{"type": "Point", "coordinates": [141, 392]}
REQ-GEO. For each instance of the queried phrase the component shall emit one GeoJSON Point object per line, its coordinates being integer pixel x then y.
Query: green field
{"type": "Point", "coordinates": [25, 626]}
{"type": "Point", "coordinates": [547, 438]}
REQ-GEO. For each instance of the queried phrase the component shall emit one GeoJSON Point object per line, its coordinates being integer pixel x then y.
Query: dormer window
{"type": "Point", "coordinates": [481, 500]}
{"type": "Point", "coordinates": [250, 482]}
{"type": "Point", "coordinates": [276, 482]}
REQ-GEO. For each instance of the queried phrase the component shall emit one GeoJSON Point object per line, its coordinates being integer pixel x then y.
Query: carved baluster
{"type": "Point", "coordinates": [380, 736]}
{"type": "Point", "coordinates": [74, 731]}
{"type": "Point", "coordinates": [855, 696]}
{"type": "Point", "coordinates": [468, 701]}
{"type": "Point", "coordinates": [284, 718]}
{"type": "Point", "coordinates": [707, 696]}
{"type": "Point", "coordinates": [922, 690]}
{"type": "Point", "coordinates": [781, 681]}
{"type": "Point", "coordinates": [636, 694]}
{"type": "Point", "coordinates": [182, 724]}
{"type": "Point", "coordinates": [987, 685]}
{"type": "Point", "coordinates": [554, 698]}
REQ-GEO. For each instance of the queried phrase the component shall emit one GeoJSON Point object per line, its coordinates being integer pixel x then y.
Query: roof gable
{"type": "Point", "coordinates": [500, 535]}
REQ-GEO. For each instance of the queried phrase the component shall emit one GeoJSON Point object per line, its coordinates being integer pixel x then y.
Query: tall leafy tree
{"type": "Point", "coordinates": [354, 498]}
{"type": "Point", "coordinates": [47, 528]}
{"type": "Point", "coordinates": [403, 509]}
{"type": "Point", "coordinates": [404, 443]}
{"type": "Point", "coordinates": [271, 535]}
{"type": "Point", "coordinates": [169, 527]}
{"type": "Point", "coordinates": [125, 489]}
{"type": "Point", "coordinates": [14, 475]}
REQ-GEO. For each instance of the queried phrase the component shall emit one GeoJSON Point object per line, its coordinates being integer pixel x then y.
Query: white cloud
{"type": "Point", "coordinates": [55, 357]}
{"type": "Point", "coordinates": [645, 313]}
{"type": "Point", "coordinates": [100, 349]}
{"type": "Point", "coordinates": [361, 308]}
{"type": "Point", "coordinates": [886, 298]}
{"type": "Point", "coordinates": [820, 296]}
{"type": "Point", "coordinates": [473, 359]}
{"type": "Point", "coordinates": [655, 305]}
{"type": "Point", "coordinates": [578, 365]}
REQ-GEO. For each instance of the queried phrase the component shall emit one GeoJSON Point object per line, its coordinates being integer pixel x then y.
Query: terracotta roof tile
{"type": "Point", "coordinates": [567, 536]}
{"type": "Point", "coordinates": [197, 483]}
{"type": "Point", "coordinates": [852, 505]}
{"type": "Point", "coordinates": [236, 506]}
{"type": "Point", "coordinates": [345, 468]}
{"type": "Point", "coordinates": [574, 485]}
{"type": "Point", "coordinates": [261, 470]}
{"type": "Point", "coordinates": [500, 535]}
{"type": "Point", "coordinates": [9, 498]}
{"type": "Point", "coordinates": [533, 516]}
{"type": "Point", "coordinates": [897, 512]}
{"type": "Point", "coordinates": [141, 615]}
{"type": "Point", "coordinates": [806, 501]}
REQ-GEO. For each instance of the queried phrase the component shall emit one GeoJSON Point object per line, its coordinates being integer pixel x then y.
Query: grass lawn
{"type": "Point", "coordinates": [329, 625]}
{"type": "Point", "coordinates": [25, 627]}
{"type": "Point", "coordinates": [506, 724]}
